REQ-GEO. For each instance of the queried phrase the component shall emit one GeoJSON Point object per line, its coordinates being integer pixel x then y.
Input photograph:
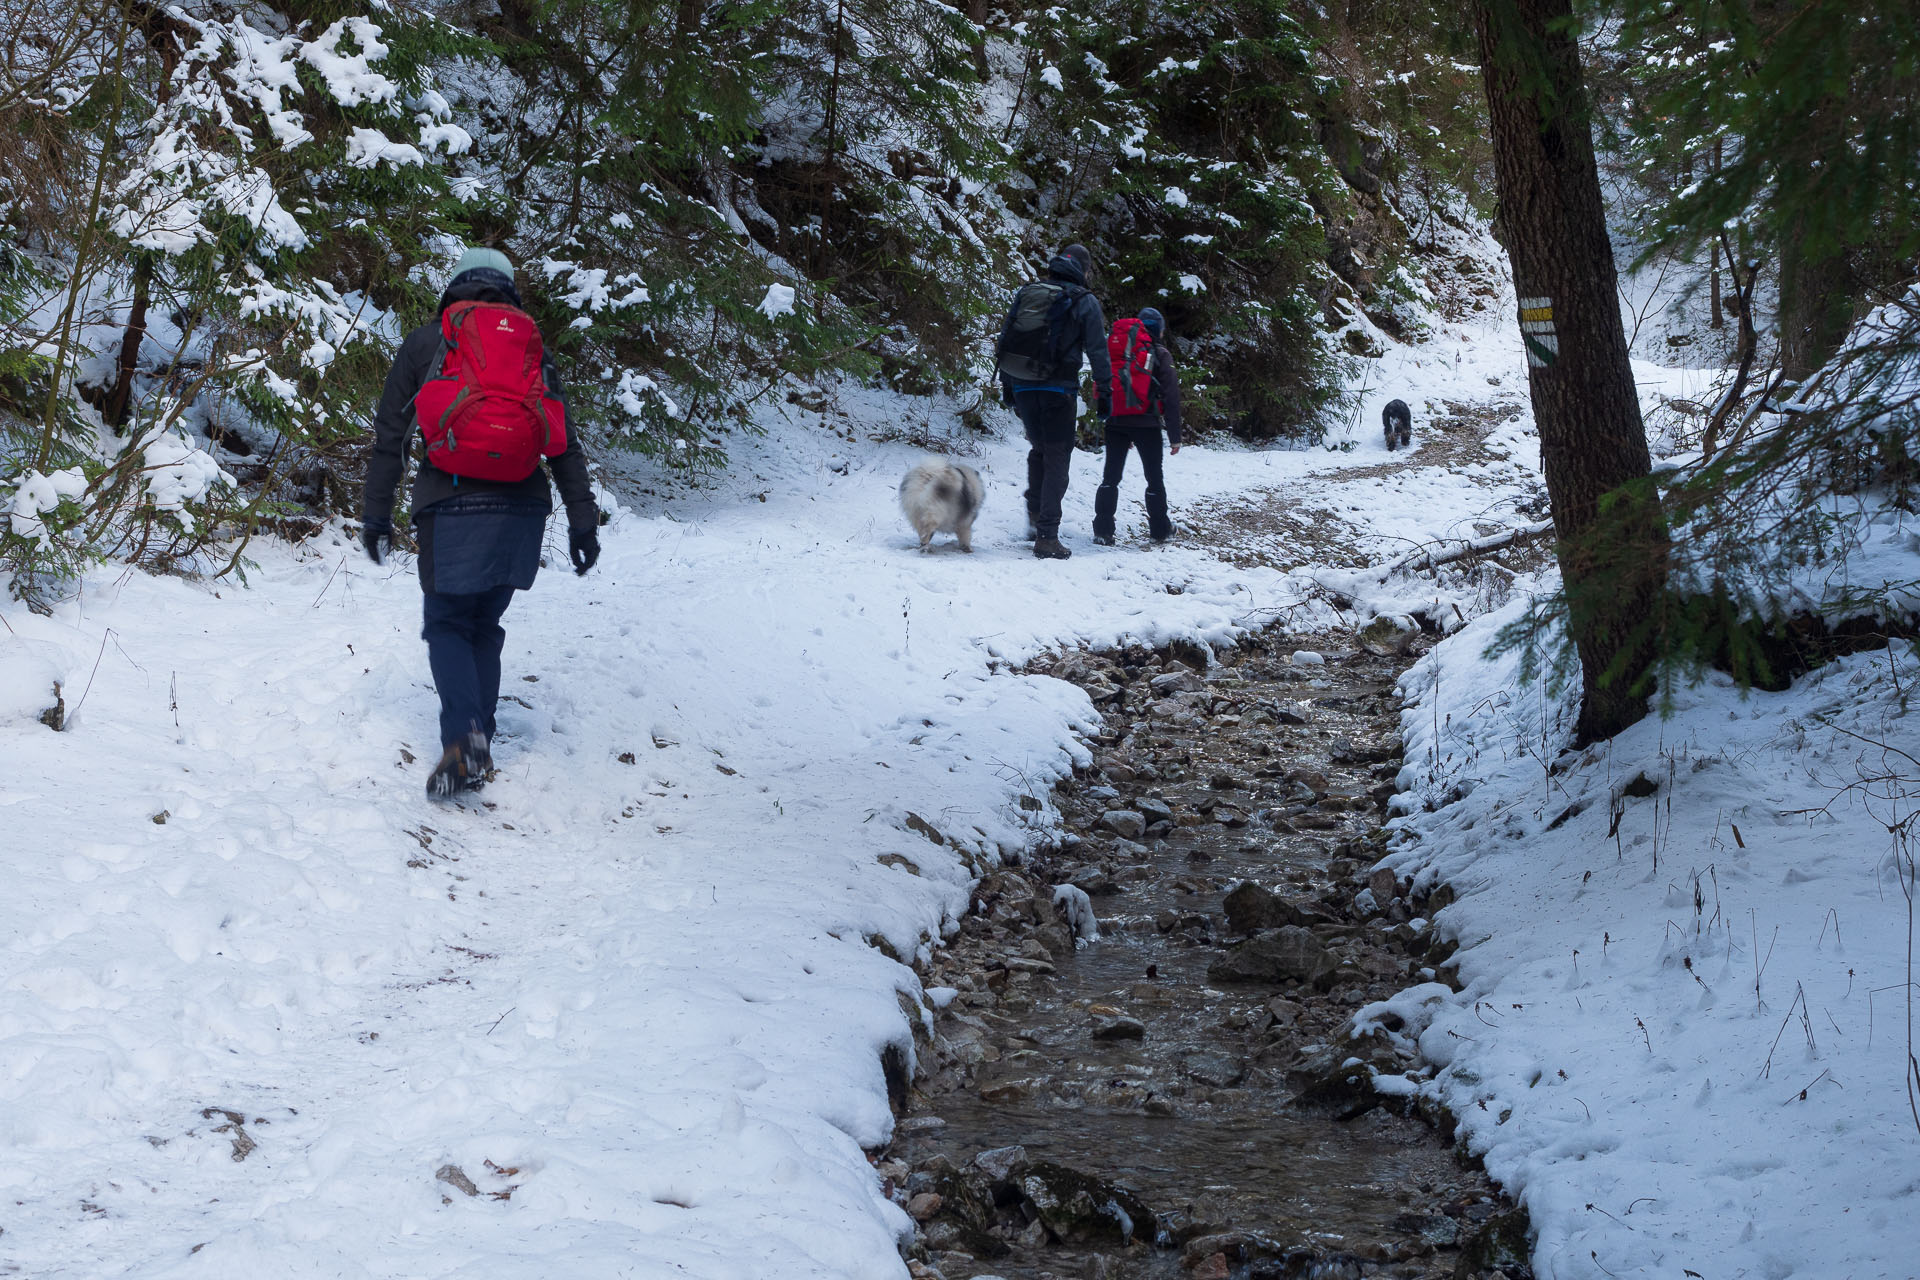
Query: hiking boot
{"type": "Point", "coordinates": [1102, 539]}
{"type": "Point", "coordinates": [464, 766]}
{"type": "Point", "coordinates": [1050, 549]}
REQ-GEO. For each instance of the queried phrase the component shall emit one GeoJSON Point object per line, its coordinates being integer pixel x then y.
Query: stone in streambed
{"type": "Point", "coordinates": [1220, 1070]}
{"type": "Point", "coordinates": [1094, 881]}
{"type": "Point", "coordinates": [1179, 681]}
{"type": "Point", "coordinates": [1251, 907]}
{"type": "Point", "coordinates": [965, 1219]}
{"type": "Point", "coordinates": [1080, 1209]}
{"type": "Point", "coordinates": [1128, 824]}
{"type": "Point", "coordinates": [1120, 1028]}
{"type": "Point", "coordinates": [1287, 954]}
{"type": "Point", "coordinates": [1153, 810]}
{"type": "Point", "coordinates": [1001, 1163]}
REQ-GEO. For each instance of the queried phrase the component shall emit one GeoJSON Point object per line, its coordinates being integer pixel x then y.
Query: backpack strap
{"type": "Point", "coordinates": [440, 350]}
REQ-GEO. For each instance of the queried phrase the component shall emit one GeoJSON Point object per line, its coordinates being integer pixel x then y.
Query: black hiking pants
{"type": "Point", "coordinates": [464, 639]}
{"type": "Point", "coordinates": [1122, 435]}
{"type": "Point", "coordinates": [1049, 417]}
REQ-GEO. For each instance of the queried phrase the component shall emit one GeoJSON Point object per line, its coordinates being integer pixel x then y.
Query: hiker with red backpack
{"type": "Point", "coordinates": [481, 389]}
{"type": "Point", "coordinates": [1051, 325]}
{"type": "Point", "coordinates": [1146, 398]}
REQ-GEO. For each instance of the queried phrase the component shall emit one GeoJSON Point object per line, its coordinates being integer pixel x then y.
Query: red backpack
{"type": "Point", "coordinates": [487, 414]}
{"type": "Point", "coordinates": [1130, 348]}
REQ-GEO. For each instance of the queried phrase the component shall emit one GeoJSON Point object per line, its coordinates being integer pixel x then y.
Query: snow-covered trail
{"type": "Point", "coordinates": [643, 988]}
{"type": "Point", "coordinates": [634, 987]}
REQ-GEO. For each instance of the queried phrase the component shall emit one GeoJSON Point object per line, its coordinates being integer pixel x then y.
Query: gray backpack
{"type": "Point", "coordinates": [1040, 336]}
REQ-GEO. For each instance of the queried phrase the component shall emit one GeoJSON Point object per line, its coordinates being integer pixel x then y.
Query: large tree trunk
{"type": "Point", "coordinates": [1592, 443]}
{"type": "Point", "coordinates": [1816, 305]}
{"type": "Point", "coordinates": [977, 13]}
{"type": "Point", "coordinates": [119, 401]}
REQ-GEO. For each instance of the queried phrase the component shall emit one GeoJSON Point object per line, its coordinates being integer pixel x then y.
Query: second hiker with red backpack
{"type": "Point", "coordinates": [1146, 398]}
{"type": "Point", "coordinates": [483, 392]}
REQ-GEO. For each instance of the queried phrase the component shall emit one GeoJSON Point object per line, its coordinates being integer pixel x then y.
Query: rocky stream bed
{"type": "Point", "coordinates": [1185, 1096]}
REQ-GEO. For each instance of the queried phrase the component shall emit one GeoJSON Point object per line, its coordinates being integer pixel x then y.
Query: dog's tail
{"type": "Point", "coordinates": [944, 489]}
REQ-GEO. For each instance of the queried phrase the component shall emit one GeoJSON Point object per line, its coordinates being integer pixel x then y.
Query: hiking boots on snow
{"type": "Point", "coordinates": [464, 766]}
{"type": "Point", "coordinates": [1050, 549]}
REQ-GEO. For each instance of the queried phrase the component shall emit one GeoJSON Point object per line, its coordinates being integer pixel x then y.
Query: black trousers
{"type": "Point", "coordinates": [1121, 437]}
{"type": "Point", "coordinates": [464, 639]}
{"type": "Point", "coordinates": [1049, 418]}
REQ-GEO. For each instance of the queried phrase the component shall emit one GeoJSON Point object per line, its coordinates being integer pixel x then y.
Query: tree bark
{"type": "Point", "coordinates": [1718, 320]}
{"type": "Point", "coordinates": [119, 402]}
{"type": "Point", "coordinates": [1593, 446]}
{"type": "Point", "coordinates": [1816, 305]}
{"type": "Point", "coordinates": [977, 45]}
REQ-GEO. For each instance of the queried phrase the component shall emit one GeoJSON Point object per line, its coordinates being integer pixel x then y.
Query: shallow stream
{"type": "Point", "coordinates": [1176, 1107]}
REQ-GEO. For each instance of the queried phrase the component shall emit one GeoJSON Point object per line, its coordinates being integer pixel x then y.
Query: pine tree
{"type": "Point", "coordinates": [1811, 109]}
{"type": "Point", "coordinates": [1592, 443]}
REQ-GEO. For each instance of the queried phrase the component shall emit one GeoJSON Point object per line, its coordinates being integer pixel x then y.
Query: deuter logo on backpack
{"type": "Point", "coordinates": [487, 413]}
{"type": "Point", "coordinates": [1130, 350]}
{"type": "Point", "coordinates": [1040, 336]}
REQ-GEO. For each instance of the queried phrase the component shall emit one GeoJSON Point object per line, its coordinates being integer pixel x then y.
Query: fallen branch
{"type": "Point", "coordinates": [1444, 553]}
{"type": "Point", "coordinates": [1435, 557]}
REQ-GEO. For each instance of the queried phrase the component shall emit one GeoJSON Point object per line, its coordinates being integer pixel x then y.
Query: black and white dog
{"type": "Point", "coordinates": [942, 496]}
{"type": "Point", "coordinates": [1398, 420]}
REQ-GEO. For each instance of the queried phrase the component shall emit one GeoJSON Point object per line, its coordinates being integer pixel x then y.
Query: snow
{"type": "Point", "coordinates": [1683, 1036]}
{"type": "Point", "coordinates": [370, 148]}
{"type": "Point", "coordinates": [643, 988]}
{"type": "Point", "coordinates": [778, 302]}
{"type": "Point", "coordinates": [350, 77]}
{"type": "Point", "coordinates": [1077, 907]}
{"type": "Point", "coordinates": [1632, 1018]}
{"type": "Point", "coordinates": [35, 494]}
{"type": "Point", "coordinates": [632, 996]}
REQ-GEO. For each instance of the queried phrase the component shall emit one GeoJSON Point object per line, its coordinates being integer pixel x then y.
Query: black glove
{"type": "Point", "coordinates": [1006, 393]}
{"type": "Point", "coordinates": [1104, 407]}
{"type": "Point", "coordinates": [584, 546]}
{"type": "Point", "coordinates": [377, 537]}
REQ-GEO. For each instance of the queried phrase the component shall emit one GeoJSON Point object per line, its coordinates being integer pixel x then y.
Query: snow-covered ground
{"type": "Point", "coordinates": [258, 993]}
{"type": "Point", "coordinates": [259, 999]}
{"type": "Point", "coordinates": [1686, 1035]}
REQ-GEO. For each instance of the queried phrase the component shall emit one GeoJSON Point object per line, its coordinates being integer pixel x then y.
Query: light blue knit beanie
{"type": "Point", "coordinates": [478, 258]}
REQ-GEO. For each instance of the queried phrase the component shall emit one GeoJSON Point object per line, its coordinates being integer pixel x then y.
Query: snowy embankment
{"type": "Point", "coordinates": [1685, 1031]}
{"type": "Point", "coordinates": [265, 1011]}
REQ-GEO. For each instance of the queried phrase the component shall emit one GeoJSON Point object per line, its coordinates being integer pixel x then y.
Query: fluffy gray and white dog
{"type": "Point", "coordinates": [1398, 420]}
{"type": "Point", "coordinates": [942, 496]}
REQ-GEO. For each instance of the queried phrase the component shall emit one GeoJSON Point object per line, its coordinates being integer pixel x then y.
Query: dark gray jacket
{"type": "Point", "coordinates": [1090, 337]}
{"type": "Point", "coordinates": [1163, 401]}
{"type": "Point", "coordinates": [394, 428]}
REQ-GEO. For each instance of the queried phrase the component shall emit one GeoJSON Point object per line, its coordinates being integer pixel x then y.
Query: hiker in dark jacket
{"type": "Point", "coordinates": [1043, 386]}
{"type": "Point", "coordinates": [479, 539]}
{"type": "Point", "coordinates": [1138, 426]}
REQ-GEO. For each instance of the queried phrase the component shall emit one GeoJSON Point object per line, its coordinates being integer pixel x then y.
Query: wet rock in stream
{"type": "Point", "coordinates": [1188, 1096]}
